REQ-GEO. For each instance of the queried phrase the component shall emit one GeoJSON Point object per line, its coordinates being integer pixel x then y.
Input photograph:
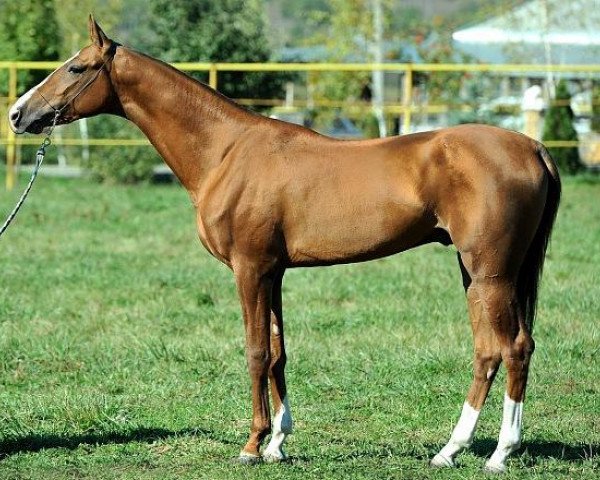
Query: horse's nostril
{"type": "Point", "coordinates": [15, 116]}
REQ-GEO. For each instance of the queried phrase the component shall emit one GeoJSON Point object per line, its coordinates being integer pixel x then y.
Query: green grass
{"type": "Point", "coordinates": [121, 351]}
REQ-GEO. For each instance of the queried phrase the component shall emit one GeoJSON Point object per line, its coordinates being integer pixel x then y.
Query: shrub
{"type": "Point", "coordinates": [131, 164]}
{"type": "Point", "coordinates": [370, 126]}
{"type": "Point", "coordinates": [558, 125]}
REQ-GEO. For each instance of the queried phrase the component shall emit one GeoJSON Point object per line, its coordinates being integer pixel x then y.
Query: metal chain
{"type": "Point", "coordinates": [39, 158]}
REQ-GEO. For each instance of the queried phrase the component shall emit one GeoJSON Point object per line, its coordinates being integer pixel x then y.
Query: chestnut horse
{"type": "Point", "coordinates": [271, 195]}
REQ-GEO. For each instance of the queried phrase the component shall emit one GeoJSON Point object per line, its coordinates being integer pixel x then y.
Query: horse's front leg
{"type": "Point", "coordinates": [254, 289]}
{"type": "Point", "coordinates": [282, 422]}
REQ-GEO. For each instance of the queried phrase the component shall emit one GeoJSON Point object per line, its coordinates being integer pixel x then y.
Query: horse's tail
{"type": "Point", "coordinates": [531, 270]}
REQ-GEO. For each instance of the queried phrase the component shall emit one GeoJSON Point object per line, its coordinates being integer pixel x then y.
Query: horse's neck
{"type": "Point", "coordinates": [190, 125]}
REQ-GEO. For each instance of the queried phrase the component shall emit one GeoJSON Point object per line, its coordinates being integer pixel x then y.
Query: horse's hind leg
{"type": "Point", "coordinates": [486, 361]}
{"type": "Point", "coordinates": [282, 421]}
{"type": "Point", "coordinates": [516, 344]}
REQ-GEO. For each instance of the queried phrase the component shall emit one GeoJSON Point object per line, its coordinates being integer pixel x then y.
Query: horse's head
{"type": "Point", "coordinates": [79, 88]}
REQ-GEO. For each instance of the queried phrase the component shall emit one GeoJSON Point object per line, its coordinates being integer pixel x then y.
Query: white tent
{"type": "Point", "coordinates": [539, 31]}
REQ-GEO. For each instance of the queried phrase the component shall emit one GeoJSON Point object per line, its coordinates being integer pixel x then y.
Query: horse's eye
{"type": "Point", "coordinates": [76, 69]}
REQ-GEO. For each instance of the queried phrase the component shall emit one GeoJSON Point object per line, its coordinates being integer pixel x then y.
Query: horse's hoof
{"type": "Point", "coordinates": [496, 468]}
{"type": "Point", "coordinates": [275, 456]}
{"type": "Point", "coordinates": [439, 461]}
{"type": "Point", "coordinates": [246, 458]}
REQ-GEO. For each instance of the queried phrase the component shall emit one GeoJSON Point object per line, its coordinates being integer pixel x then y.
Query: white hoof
{"type": "Point", "coordinates": [246, 458]}
{"type": "Point", "coordinates": [492, 467]}
{"type": "Point", "coordinates": [274, 456]}
{"type": "Point", "coordinates": [439, 461]}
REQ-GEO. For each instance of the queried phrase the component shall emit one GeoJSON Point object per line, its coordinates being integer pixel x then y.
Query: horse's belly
{"type": "Point", "coordinates": [353, 233]}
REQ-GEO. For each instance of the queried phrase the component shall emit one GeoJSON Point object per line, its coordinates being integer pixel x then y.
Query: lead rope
{"type": "Point", "coordinates": [39, 158]}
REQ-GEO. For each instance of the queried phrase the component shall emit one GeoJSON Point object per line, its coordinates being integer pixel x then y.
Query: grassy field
{"type": "Point", "coordinates": [121, 351]}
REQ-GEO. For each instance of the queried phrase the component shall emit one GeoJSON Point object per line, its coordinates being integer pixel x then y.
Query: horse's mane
{"type": "Point", "coordinates": [195, 86]}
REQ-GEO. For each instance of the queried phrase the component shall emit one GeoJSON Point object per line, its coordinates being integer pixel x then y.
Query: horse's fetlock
{"type": "Point", "coordinates": [462, 440]}
{"type": "Point", "coordinates": [262, 428]}
{"type": "Point", "coordinates": [510, 443]}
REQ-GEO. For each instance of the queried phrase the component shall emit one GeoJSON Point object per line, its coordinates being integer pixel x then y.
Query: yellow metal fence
{"type": "Point", "coordinates": [405, 108]}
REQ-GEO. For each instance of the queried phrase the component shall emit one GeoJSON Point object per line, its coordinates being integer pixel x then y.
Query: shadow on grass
{"type": "Point", "coordinates": [37, 442]}
{"type": "Point", "coordinates": [535, 449]}
{"type": "Point", "coordinates": [532, 451]}
{"type": "Point", "coordinates": [541, 449]}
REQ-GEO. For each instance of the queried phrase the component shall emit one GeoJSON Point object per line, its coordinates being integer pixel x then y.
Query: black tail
{"type": "Point", "coordinates": [531, 270]}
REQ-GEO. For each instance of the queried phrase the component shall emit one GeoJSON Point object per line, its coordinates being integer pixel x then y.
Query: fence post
{"type": "Point", "coordinates": [212, 76]}
{"type": "Point", "coordinates": [11, 149]}
{"type": "Point", "coordinates": [407, 98]}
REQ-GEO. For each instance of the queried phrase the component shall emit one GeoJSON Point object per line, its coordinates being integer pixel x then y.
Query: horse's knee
{"type": "Point", "coordinates": [259, 360]}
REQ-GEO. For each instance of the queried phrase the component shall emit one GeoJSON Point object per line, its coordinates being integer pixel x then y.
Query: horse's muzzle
{"type": "Point", "coordinates": [21, 121]}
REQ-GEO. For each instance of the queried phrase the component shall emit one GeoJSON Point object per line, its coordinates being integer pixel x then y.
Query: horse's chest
{"type": "Point", "coordinates": [213, 231]}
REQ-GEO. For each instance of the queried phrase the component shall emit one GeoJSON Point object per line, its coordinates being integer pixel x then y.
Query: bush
{"type": "Point", "coordinates": [370, 126]}
{"type": "Point", "coordinates": [121, 164]}
{"type": "Point", "coordinates": [131, 164]}
{"type": "Point", "coordinates": [558, 125]}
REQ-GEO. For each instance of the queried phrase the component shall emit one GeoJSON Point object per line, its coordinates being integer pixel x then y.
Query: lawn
{"type": "Point", "coordinates": [122, 355]}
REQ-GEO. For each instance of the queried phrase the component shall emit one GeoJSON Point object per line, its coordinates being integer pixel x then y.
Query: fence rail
{"type": "Point", "coordinates": [404, 108]}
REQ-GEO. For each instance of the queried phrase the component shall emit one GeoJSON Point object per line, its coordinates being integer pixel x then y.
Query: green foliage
{"type": "Point", "coordinates": [345, 28]}
{"type": "Point", "coordinates": [132, 164]}
{"type": "Point", "coordinates": [73, 21]}
{"type": "Point", "coordinates": [558, 125]}
{"type": "Point", "coordinates": [28, 31]}
{"type": "Point", "coordinates": [305, 16]}
{"type": "Point", "coordinates": [370, 126]}
{"type": "Point", "coordinates": [442, 87]}
{"type": "Point", "coordinates": [224, 31]}
{"type": "Point", "coordinates": [596, 107]}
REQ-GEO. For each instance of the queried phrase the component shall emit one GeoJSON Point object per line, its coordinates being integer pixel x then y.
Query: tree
{"type": "Point", "coordinates": [295, 20]}
{"type": "Point", "coordinates": [224, 31]}
{"type": "Point", "coordinates": [73, 21]}
{"type": "Point", "coordinates": [352, 31]}
{"type": "Point", "coordinates": [558, 125]}
{"type": "Point", "coordinates": [442, 87]}
{"type": "Point", "coordinates": [28, 31]}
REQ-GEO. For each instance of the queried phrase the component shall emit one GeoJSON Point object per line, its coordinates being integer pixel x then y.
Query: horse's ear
{"type": "Point", "coordinates": [97, 36]}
